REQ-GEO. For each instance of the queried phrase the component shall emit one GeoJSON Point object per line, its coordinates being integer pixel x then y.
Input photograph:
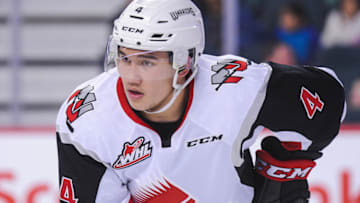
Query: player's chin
{"type": "Point", "coordinates": [136, 105]}
{"type": "Point", "coordinates": [143, 105]}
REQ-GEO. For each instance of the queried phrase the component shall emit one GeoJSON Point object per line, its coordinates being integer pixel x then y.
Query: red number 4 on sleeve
{"type": "Point", "coordinates": [67, 191]}
{"type": "Point", "coordinates": [311, 102]}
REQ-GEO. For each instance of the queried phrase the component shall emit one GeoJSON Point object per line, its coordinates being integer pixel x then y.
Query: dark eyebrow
{"type": "Point", "coordinates": [122, 53]}
{"type": "Point", "coordinates": [148, 56]}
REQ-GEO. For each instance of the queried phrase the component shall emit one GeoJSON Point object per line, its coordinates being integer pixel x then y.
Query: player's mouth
{"type": "Point", "coordinates": [134, 94]}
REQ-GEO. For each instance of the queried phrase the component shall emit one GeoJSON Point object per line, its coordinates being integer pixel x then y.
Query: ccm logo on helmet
{"type": "Point", "coordinates": [132, 29]}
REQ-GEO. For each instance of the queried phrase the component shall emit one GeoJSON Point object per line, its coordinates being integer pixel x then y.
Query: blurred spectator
{"type": "Point", "coordinates": [212, 14]}
{"type": "Point", "coordinates": [342, 26]}
{"type": "Point", "coordinates": [294, 30]}
{"type": "Point", "coordinates": [267, 11]}
{"type": "Point", "coordinates": [250, 30]}
{"type": "Point", "coordinates": [281, 53]}
{"type": "Point", "coordinates": [354, 100]}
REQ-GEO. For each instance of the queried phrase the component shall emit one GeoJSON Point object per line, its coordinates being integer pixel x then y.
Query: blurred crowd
{"type": "Point", "coordinates": [306, 32]}
{"type": "Point", "coordinates": [300, 28]}
{"type": "Point", "coordinates": [324, 33]}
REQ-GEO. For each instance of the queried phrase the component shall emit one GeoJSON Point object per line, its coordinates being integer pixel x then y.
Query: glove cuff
{"type": "Point", "coordinates": [282, 171]}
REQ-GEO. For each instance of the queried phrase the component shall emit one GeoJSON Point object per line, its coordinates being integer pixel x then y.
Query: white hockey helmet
{"type": "Point", "coordinates": [174, 26]}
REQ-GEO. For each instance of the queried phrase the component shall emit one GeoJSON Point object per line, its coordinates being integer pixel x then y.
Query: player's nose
{"type": "Point", "coordinates": [132, 75]}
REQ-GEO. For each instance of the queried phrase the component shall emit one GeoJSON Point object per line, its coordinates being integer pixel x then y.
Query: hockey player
{"type": "Point", "coordinates": [167, 123]}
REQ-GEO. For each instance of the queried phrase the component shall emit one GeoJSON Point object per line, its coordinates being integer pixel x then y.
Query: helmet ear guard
{"type": "Point", "coordinates": [189, 66]}
{"type": "Point", "coordinates": [180, 58]}
{"type": "Point", "coordinates": [184, 70]}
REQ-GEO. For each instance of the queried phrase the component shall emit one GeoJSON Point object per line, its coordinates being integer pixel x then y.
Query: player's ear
{"type": "Point", "coordinates": [183, 73]}
{"type": "Point", "coordinates": [186, 69]}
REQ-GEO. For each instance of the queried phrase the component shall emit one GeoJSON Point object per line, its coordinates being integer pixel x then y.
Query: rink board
{"type": "Point", "coordinates": [28, 167]}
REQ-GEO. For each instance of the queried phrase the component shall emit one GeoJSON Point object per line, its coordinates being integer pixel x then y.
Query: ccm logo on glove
{"type": "Point", "coordinates": [289, 170]}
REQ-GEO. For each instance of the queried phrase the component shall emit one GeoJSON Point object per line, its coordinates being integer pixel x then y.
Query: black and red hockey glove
{"type": "Point", "coordinates": [281, 172]}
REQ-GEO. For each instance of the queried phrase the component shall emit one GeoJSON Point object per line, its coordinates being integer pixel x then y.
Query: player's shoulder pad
{"type": "Point", "coordinates": [211, 60]}
{"type": "Point", "coordinates": [227, 85]}
{"type": "Point", "coordinates": [230, 73]}
{"type": "Point", "coordinates": [295, 76]}
{"type": "Point", "coordinates": [305, 99]}
{"type": "Point", "coordinates": [83, 111]}
{"type": "Point", "coordinates": [230, 56]}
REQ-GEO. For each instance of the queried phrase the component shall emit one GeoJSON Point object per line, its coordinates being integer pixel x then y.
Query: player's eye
{"type": "Point", "coordinates": [124, 59]}
{"type": "Point", "coordinates": [147, 63]}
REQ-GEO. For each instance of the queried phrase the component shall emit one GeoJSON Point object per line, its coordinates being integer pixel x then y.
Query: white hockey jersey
{"type": "Point", "coordinates": [108, 154]}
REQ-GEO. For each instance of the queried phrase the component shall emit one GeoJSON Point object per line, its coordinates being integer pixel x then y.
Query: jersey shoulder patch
{"type": "Point", "coordinates": [229, 70]}
{"type": "Point", "coordinates": [84, 103]}
{"type": "Point", "coordinates": [225, 72]}
{"type": "Point", "coordinates": [79, 103]}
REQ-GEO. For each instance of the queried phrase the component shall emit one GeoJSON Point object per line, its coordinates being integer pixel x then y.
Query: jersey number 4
{"type": "Point", "coordinates": [67, 191]}
{"type": "Point", "coordinates": [311, 102]}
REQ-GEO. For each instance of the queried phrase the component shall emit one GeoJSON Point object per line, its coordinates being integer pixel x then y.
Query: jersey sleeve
{"type": "Point", "coordinates": [303, 104]}
{"type": "Point", "coordinates": [83, 179]}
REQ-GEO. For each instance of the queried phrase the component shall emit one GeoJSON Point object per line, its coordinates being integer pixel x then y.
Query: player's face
{"type": "Point", "coordinates": [146, 77]}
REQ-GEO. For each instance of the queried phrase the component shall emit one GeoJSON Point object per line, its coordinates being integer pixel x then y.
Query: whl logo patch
{"type": "Point", "coordinates": [225, 70]}
{"type": "Point", "coordinates": [133, 153]}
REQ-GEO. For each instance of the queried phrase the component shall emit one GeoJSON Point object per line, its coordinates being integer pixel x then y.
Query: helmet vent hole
{"type": "Point", "coordinates": [156, 35]}
{"type": "Point", "coordinates": [170, 35]}
{"type": "Point", "coordinates": [138, 43]}
{"type": "Point", "coordinates": [136, 17]}
{"type": "Point", "coordinates": [163, 21]}
{"type": "Point", "coordinates": [158, 40]}
{"type": "Point", "coordinates": [159, 37]}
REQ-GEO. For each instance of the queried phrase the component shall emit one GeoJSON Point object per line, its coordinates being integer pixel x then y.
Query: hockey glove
{"type": "Point", "coordinates": [281, 172]}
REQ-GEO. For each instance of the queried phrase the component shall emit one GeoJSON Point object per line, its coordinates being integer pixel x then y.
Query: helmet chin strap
{"type": "Point", "coordinates": [175, 94]}
{"type": "Point", "coordinates": [177, 89]}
